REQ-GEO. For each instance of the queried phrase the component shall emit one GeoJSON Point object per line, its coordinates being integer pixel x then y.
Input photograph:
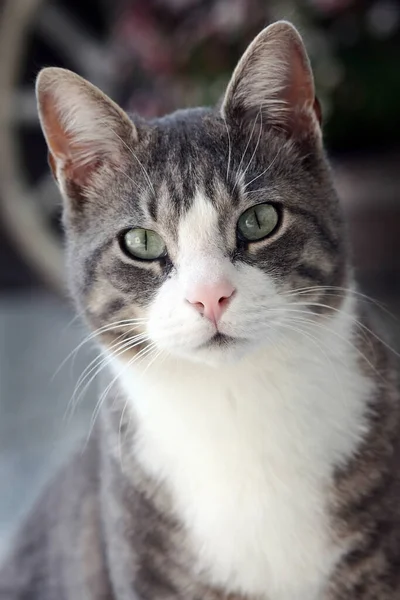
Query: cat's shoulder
{"type": "Point", "coordinates": [57, 548]}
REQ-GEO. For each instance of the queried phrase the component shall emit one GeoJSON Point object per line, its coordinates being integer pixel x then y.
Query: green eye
{"type": "Point", "coordinates": [144, 244]}
{"type": "Point", "coordinates": [258, 221]}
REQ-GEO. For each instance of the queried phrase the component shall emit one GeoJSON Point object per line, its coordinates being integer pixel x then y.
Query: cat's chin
{"type": "Point", "coordinates": [219, 350]}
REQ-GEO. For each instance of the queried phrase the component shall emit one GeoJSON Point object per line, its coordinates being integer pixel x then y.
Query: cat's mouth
{"type": "Point", "coordinates": [219, 340]}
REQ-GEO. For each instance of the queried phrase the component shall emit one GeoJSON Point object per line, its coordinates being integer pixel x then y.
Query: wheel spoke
{"type": "Point", "coordinates": [62, 31]}
{"type": "Point", "coordinates": [46, 195]}
{"type": "Point", "coordinates": [22, 109]}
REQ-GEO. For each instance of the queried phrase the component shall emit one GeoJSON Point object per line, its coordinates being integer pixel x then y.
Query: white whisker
{"type": "Point", "coordinates": [239, 174]}
{"type": "Point", "coordinates": [265, 170]}
{"type": "Point", "coordinates": [355, 320]}
{"type": "Point", "coordinates": [95, 333]}
{"type": "Point", "coordinates": [313, 324]}
{"type": "Point", "coordinates": [148, 350]}
{"type": "Point", "coordinates": [102, 363]}
{"type": "Point", "coordinates": [229, 148]}
{"type": "Point", "coordinates": [117, 345]}
{"type": "Point", "coordinates": [130, 150]}
{"type": "Point", "coordinates": [255, 149]}
{"type": "Point", "coordinates": [341, 291]}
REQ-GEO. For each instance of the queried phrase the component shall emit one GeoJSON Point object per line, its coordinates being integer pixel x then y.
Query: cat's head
{"type": "Point", "coordinates": [201, 232]}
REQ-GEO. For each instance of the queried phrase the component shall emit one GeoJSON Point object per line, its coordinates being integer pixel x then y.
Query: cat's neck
{"type": "Point", "coordinates": [248, 452]}
{"type": "Point", "coordinates": [315, 372]}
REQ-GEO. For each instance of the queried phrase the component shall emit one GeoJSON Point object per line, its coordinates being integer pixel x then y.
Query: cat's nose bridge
{"type": "Point", "coordinates": [211, 299]}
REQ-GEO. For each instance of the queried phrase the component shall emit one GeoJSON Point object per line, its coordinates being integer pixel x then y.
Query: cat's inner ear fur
{"type": "Point", "coordinates": [83, 127]}
{"type": "Point", "coordinates": [274, 82]}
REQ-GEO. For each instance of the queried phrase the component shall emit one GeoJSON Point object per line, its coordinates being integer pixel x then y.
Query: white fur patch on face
{"type": "Point", "coordinates": [174, 324]}
{"type": "Point", "coordinates": [200, 252]}
{"type": "Point", "coordinates": [248, 452]}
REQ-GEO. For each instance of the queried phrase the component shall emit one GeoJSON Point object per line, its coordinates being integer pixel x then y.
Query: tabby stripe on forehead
{"type": "Point", "coordinates": [187, 188]}
{"type": "Point", "coordinates": [179, 194]}
{"type": "Point", "coordinates": [330, 243]}
{"type": "Point", "coordinates": [152, 206]}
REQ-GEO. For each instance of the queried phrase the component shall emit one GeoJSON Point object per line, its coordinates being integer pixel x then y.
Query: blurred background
{"type": "Point", "coordinates": [152, 57]}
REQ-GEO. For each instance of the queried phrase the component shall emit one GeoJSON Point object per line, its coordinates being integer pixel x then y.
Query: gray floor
{"type": "Point", "coordinates": [36, 430]}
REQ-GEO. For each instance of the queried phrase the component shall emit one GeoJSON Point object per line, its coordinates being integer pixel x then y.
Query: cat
{"type": "Point", "coordinates": [247, 445]}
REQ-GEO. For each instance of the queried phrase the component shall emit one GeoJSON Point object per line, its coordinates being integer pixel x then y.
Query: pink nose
{"type": "Point", "coordinates": [211, 300]}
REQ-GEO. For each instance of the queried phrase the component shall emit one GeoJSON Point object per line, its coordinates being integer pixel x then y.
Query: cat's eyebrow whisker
{"type": "Point", "coordinates": [255, 149]}
{"type": "Point", "coordinates": [139, 188]}
{"type": "Point", "coordinates": [229, 148]}
{"type": "Point", "coordinates": [238, 172]}
{"type": "Point", "coordinates": [112, 131]}
{"type": "Point", "coordinates": [130, 150]}
{"type": "Point", "coordinates": [265, 170]}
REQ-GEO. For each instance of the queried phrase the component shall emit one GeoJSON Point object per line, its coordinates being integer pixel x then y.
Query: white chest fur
{"type": "Point", "coordinates": [248, 452]}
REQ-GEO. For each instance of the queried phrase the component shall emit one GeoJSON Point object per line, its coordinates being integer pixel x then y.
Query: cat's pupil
{"type": "Point", "coordinates": [144, 244]}
{"type": "Point", "coordinates": [258, 221]}
{"type": "Point", "coordinates": [252, 221]}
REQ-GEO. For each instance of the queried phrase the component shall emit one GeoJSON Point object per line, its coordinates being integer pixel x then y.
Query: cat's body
{"type": "Point", "coordinates": [247, 452]}
{"type": "Point", "coordinates": [107, 530]}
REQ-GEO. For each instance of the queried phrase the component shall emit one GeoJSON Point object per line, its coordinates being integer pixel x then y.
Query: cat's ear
{"type": "Point", "coordinates": [83, 127]}
{"type": "Point", "coordinates": [274, 80]}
